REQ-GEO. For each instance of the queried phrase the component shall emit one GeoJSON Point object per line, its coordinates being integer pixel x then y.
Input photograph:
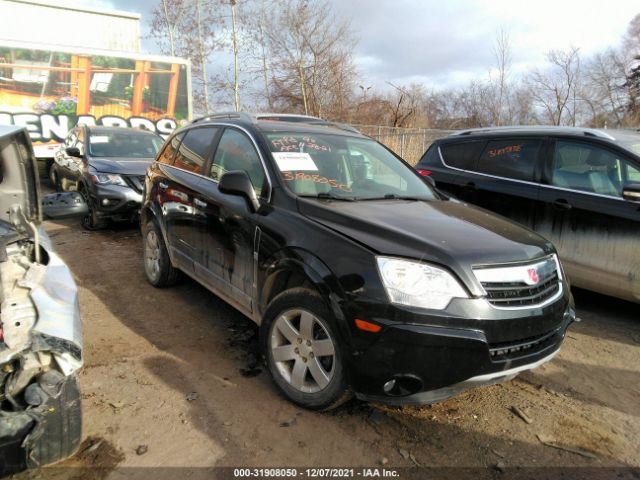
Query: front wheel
{"type": "Point", "coordinates": [302, 350]}
{"type": "Point", "coordinates": [91, 220]}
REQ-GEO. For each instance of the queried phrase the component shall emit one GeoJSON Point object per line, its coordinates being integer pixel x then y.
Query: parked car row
{"type": "Point", "coordinates": [366, 277]}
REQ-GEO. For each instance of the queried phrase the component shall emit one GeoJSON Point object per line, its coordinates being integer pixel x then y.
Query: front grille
{"type": "Point", "coordinates": [512, 294]}
{"type": "Point", "coordinates": [525, 346]}
{"type": "Point", "coordinates": [136, 182]}
{"type": "Point", "coordinates": [520, 285]}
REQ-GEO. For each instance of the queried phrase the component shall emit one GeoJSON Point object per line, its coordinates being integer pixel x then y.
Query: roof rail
{"type": "Point", "coordinates": [239, 115]}
{"type": "Point", "coordinates": [253, 118]}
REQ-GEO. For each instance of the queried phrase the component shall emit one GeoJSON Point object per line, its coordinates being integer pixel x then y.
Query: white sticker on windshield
{"type": "Point", "coordinates": [99, 139]}
{"type": "Point", "coordinates": [295, 162]}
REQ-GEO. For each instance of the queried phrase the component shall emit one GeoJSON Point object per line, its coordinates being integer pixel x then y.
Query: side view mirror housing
{"type": "Point", "coordinates": [237, 182]}
{"type": "Point", "coordinates": [631, 191]}
{"type": "Point", "coordinates": [73, 152]}
{"type": "Point", "coordinates": [63, 205]}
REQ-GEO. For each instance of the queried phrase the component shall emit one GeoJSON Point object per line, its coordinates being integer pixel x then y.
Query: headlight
{"type": "Point", "coordinates": [108, 179]}
{"type": "Point", "coordinates": [418, 285]}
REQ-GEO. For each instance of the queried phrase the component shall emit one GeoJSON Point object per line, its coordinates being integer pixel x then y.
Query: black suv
{"type": "Point", "coordinates": [580, 188]}
{"type": "Point", "coordinates": [361, 276]}
{"type": "Point", "coordinates": [106, 165]}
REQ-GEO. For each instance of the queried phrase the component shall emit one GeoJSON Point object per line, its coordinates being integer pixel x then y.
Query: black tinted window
{"type": "Point", "coordinates": [461, 155]}
{"type": "Point", "coordinates": [194, 147]}
{"type": "Point", "coordinates": [512, 158]}
{"type": "Point", "coordinates": [235, 152]}
{"type": "Point", "coordinates": [170, 149]}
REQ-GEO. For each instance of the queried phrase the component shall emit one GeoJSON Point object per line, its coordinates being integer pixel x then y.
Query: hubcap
{"type": "Point", "coordinates": [152, 254]}
{"type": "Point", "coordinates": [303, 350]}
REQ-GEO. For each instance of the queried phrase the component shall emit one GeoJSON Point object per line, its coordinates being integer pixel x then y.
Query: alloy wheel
{"type": "Point", "coordinates": [152, 254]}
{"type": "Point", "coordinates": [303, 351]}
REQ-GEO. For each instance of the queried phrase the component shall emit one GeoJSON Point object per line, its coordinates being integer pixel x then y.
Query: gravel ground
{"type": "Point", "coordinates": [172, 380]}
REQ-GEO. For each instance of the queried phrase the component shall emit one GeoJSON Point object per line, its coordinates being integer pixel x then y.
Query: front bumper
{"type": "Point", "coordinates": [422, 358]}
{"type": "Point", "coordinates": [116, 201]}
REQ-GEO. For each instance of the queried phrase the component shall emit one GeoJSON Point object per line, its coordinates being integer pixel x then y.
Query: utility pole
{"type": "Point", "coordinates": [203, 59]}
{"type": "Point", "coordinates": [236, 86]}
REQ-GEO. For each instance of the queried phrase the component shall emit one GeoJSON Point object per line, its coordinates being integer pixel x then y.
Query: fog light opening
{"type": "Point", "coordinates": [403, 385]}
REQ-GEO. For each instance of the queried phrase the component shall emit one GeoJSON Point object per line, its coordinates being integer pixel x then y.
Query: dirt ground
{"type": "Point", "coordinates": [171, 380]}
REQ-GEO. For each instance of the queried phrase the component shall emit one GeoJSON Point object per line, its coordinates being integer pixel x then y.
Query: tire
{"type": "Point", "coordinates": [59, 431]}
{"type": "Point", "coordinates": [55, 179]}
{"type": "Point", "coordinates": [157, 264]}
{"type": "Point", "coordinates": [296, 327]}
{"type": "Point", "coordinates": [91, 221]}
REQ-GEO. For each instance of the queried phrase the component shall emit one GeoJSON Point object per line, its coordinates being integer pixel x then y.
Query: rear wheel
{"type": "Point", "coordinates": [302, 350]}
{"type": "Point", "coordinates": [157, 264]}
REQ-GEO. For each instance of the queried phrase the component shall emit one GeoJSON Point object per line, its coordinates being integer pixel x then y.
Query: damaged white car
{"type": "Point", "coordinates": [40, 327]}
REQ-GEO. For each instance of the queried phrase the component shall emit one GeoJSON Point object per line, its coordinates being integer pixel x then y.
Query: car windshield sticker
{"type": "Point", "coordinates": [496, 152]}
{"type": "Point", "coordinates": [99, 139]}
{"type": "Point", "coordinates": [316, 178]}
{"type": "Point", "coordinates": [288, 143]}
{"type": "Point", "coordinates": [295, 161]}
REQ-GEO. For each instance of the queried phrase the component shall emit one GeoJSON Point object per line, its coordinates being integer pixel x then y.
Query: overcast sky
{"type": "Point", "coordinates": [443, 43]}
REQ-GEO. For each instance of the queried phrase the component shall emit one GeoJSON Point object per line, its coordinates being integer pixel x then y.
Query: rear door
{"type": "Point", "coordinates": [177, 192]}
{"type": "Point", "coordinates": [595, 230]}
{"type": "Point", "coordinates": [228, 229]}
{"type": "Point", "coordinates": [505, 178]}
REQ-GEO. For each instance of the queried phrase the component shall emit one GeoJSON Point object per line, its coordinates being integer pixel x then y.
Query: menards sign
{"type": "Point", "coordinates": [51, 91]}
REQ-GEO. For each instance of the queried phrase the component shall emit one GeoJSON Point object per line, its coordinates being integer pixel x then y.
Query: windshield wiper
{"type": "Point", "coordinates": [393, 196]}
{"type": "Point", "coordinates": [330, 196]}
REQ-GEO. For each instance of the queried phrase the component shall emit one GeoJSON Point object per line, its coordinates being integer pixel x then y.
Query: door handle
{"type": "Point", "coordinates": [470, 186]}
{"type": "Point", "coordinates": [163, 185]}
{"type": "Point", "coordinates": [199, 203]}
{"type": "Point", "coordinates": [562, 204]}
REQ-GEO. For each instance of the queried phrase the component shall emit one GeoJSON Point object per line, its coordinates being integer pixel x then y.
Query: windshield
{"type": "Point", "coordinates": [124, 145]}
{"type": "Point", "coordinates": [342, 167]}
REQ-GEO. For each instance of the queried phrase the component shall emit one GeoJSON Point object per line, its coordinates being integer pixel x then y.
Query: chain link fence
{"type": "Point", "coordinates": [409, 143]}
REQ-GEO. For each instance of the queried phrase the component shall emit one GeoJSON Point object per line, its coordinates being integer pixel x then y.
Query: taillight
{"type": "Point", "coordinates": [423, 172]}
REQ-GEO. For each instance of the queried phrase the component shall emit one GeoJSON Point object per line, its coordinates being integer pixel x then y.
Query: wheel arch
{"type": "Point", "coordinates": [294, 268]}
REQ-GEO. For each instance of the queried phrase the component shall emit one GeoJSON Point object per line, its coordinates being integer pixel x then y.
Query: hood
{"type": "Point", "coordinates": [19, 187]}
{"type": "Point", "coordinates": [122, 166]}
{"type": "Point", "coordinates": [448, 233]}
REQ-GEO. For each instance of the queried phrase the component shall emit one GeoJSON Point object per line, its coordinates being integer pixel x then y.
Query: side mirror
{"type": "Point", "coordinates": [73, 152]}
{"type": "Point", "coordinates": [631, 191]}
{"type": "Point", "coordinates": [238, 182]}
{"type": "Point", "coordinates": [64, 205]}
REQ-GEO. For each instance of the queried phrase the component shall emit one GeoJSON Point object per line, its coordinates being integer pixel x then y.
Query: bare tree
{"type": "Point", "coordinates": [173, 25]}
{"type": "Point", "coordinates": [311, 57]}
{"type": "Point", "coordinates": [498, 99]}
{"type": "Point", "coordinates": [555, 89]}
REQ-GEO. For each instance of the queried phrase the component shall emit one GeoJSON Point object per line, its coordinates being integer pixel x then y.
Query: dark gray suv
{"type": "Point", "coordinates": [578, 187]}
{"type": "Point", "coordinates": [107, 166]}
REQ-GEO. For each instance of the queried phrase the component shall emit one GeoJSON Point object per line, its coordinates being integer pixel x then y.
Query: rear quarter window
{"type": "Point", "coordinates": [166, 156]}
{"type": "Point", "coordinates": [461, 155]}
{"type": "Point", "coordinates": [510, 158]}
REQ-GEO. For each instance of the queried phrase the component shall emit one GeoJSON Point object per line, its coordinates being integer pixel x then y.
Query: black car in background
{"type": "Point", "coordinates": [580, 188]}
{"type": "Point", "coordinates": [361, 276]}
{"type": "Point", "coordinates": [107, 166]}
